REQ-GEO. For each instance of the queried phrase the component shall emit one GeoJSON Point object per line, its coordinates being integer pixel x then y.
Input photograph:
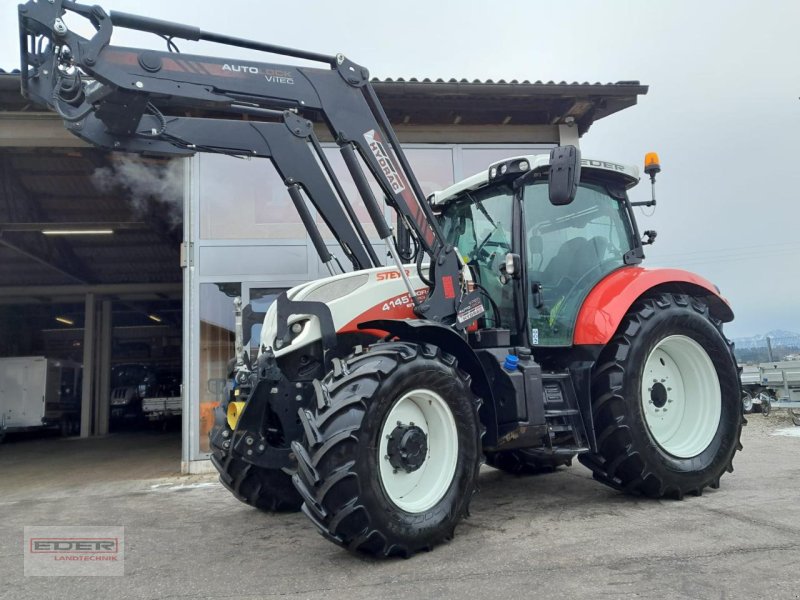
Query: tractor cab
{"type": "Point", "coordinates": [535, 261]}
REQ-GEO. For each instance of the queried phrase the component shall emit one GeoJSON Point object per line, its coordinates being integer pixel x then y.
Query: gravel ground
{"type": "Point", "coordinates": [560, 535]}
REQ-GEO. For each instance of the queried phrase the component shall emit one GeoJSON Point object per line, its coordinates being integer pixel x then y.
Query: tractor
{"type": "Point", "coordinates": [512, 324]}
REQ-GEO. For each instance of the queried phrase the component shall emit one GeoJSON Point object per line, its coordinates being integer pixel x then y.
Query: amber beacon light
{"type": "Point", "coordinates": [652, 165]}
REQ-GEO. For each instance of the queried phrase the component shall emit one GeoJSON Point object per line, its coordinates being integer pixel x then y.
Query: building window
{"type": "Point", "coordinates": [260, 301]}
{"type": "Point", "coordinates": [216, 349]}
{"type": "Point", "coordinates": [245, 199]}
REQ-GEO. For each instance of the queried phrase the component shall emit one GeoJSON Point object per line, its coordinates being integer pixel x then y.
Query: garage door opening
{"type": "Point", "coordinates": [91, 302]}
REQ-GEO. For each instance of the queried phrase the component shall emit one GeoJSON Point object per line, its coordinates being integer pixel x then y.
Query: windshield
{"type": "Point", "coordinates": [479, 225]}
{"type": "Point", "coordinates": [570, 248]}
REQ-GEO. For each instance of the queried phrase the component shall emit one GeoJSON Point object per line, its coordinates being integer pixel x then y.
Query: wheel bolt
{"type": "Point", "coordinates": [226, 433]}
{"type": "Point", "coordinates": [226, 445]}
{"type": "Point", "coordinates": [249, 453]}
{"type": "Point", "coordinates": [249, 441]}
{"type": "Point", "coordinates": [261, 447]}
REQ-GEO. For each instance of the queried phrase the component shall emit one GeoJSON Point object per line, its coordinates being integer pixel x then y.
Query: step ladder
{"type": "Point", "coordinates": [567, 432]}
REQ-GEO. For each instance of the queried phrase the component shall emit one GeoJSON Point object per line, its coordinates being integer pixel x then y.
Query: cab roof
{"type": "Point", "coordinates": [628, 174]}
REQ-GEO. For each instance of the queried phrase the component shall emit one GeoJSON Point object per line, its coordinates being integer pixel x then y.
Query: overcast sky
{"type": "Point", "coordinates": [722, 110]}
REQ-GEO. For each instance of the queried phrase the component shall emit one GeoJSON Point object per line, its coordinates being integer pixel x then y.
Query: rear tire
{"type": "Point", "coordinates": [527, 462]}
{"type": "Point", "coordinates": [368, 496]}
{"type": "Point", "coordinates": [665, 342]}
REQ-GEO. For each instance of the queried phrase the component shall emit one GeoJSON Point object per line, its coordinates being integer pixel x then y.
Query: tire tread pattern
{"type": "Point", "coordinates": [617, 463]}
{"type": "Point", "coordinates": [333, 502]}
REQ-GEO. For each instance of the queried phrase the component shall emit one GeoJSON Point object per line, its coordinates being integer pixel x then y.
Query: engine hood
{"type": "Point", "coordinates": [351, 298]}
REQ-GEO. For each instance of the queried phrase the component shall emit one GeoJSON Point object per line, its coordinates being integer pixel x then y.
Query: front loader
{"type": "Point", "coordinates": [513, 322]}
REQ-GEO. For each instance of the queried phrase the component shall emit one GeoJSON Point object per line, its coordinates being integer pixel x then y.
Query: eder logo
{"type": "Point", "coordinates": [384, 162]}
{"type": "Point", "coordinates": [74, 545]}
{"type": "Point", "coordinates": [56, 551]}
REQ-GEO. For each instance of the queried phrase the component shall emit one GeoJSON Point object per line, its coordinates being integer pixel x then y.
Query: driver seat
{"type": "Point", "coordinates": [575, 258]}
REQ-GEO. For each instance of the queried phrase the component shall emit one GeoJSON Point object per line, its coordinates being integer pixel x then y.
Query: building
{"type": "Point", "coordinates": [173, 243]}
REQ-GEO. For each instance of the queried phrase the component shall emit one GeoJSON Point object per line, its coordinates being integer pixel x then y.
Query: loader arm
{"type": "Point", "coordinates": [131, 99]}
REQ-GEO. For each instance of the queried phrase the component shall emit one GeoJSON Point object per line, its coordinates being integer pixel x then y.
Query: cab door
{"type": "Point", "coordinates": [569, 249]}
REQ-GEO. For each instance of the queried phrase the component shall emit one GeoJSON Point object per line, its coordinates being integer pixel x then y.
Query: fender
{"type": "Point", "coordinates": [446, 338]}
{"type": "Point", "coordinates": [608, 302]}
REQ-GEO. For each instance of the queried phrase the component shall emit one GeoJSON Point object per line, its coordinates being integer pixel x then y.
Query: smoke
{"type": "Point", "coordinates": [146, 185]}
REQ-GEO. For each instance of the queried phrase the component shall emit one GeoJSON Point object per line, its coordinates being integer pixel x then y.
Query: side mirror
{"type": "Point", "coordinates": [565, 173]}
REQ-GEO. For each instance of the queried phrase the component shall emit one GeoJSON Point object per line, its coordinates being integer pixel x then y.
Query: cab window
{"type": "Point", "coordinates": [570, 248]}
{"type": "Point", "coordinates": [479, 225]}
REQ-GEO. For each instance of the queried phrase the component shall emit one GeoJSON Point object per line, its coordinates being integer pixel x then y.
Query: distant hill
{"type": "Point", "coordinates": [754, 348]}
{"type": "Point", "coordinates": [777, 337]}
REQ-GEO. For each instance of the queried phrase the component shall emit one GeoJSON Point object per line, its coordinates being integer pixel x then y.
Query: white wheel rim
{"type": "Point", "coordinates": [681, 396]}
{"type": "Point", "coordinates": [747, 401]}
{"type": "Point", "coordinates": [421, 489]}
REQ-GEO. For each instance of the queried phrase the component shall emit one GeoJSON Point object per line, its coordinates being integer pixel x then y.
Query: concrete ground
{"type": "Point", "coordinates": [557, 536]}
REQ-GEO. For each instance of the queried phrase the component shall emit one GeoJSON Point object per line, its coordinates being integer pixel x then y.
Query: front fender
{"type": "Point", "coordinates": [608, 302]}
{"type": "Point", "coordinates": [446, 338]}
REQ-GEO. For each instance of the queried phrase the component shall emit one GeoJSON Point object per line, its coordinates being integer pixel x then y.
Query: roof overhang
{"type": "Point", "coordinates": [463, 105]}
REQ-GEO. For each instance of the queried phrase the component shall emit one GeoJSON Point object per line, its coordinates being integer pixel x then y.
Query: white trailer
{"type": "Point", "coordinates": [162, 408]}
{"type": "Point", "coordinates": [774, 385]}
{"type": "Point", "coordinates": [38, 392]}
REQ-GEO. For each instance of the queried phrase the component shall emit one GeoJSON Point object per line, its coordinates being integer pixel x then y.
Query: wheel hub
{"type": "Point", "coordinates": [658, 395]}
{"type": "Point", "coordinates": [407, 447]}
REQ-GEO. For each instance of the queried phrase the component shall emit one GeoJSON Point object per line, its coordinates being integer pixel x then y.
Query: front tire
{"type": "Point", "coordinates": [270, 490]}
{"type": "Point", "coordinates": [392, 452]}
{"type": "Point", "coordinates": [667, 354]}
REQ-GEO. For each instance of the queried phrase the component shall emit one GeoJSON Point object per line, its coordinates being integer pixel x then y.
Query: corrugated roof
{"type": "Point", "coordinates": [456, 80]}
{"type": "Point", "coordinates": [426, 101]}
{"type": "Point", "coordinates": [538, 82]}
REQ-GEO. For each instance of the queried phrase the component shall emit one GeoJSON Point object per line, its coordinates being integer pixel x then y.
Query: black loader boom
{"type": "Point", "coordinates": [130, 99]}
